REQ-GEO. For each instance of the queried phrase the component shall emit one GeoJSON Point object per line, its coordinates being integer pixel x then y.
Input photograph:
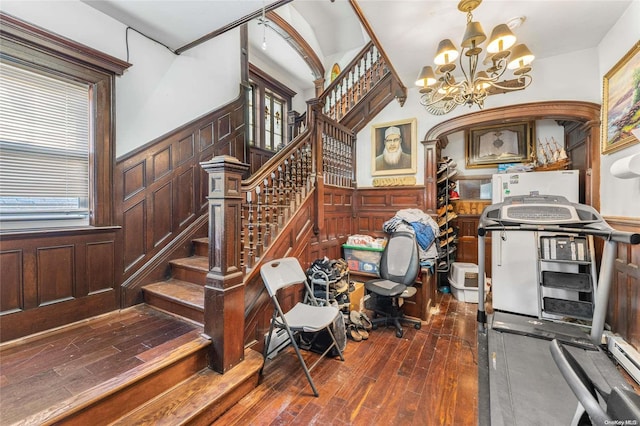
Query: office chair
{"type": "Point", "coordinates": [310, 318]}
{"type": "Point", "coordinates": [399, 267]}
{"type": "Point", "coordinates": [621, 404]}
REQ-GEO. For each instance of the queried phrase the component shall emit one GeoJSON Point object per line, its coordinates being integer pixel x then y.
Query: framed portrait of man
{"type": "Point", "coordinates": [394, 148]}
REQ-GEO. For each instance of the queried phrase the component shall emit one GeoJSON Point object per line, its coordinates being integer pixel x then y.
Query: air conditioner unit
{"type": "Point", "coordinates": [626, 355]}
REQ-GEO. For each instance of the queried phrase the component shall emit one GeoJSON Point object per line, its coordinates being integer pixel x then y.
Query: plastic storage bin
{"type": "Point", "coordinates": [463, 279]}
{"type": "Point", "coordinates": [362, 259]}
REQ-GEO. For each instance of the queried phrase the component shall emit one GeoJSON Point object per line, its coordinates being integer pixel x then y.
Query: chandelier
{"type": "Point", "coordinates": [441, 92]}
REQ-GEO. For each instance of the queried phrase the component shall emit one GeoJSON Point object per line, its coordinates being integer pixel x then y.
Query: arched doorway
{"type": "Point", "coordinates": [581, 121]}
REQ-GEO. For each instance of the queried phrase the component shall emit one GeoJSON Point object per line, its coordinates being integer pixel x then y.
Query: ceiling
{"type": "Point", "coordinates": [408, 30]}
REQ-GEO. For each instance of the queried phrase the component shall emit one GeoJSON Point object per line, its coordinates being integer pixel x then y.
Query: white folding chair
{"type": "Point", "coordinates": [281, 273]}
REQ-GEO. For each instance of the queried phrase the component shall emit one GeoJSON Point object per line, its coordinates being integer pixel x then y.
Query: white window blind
{"type": "Point", "coordinates": [44, 146]}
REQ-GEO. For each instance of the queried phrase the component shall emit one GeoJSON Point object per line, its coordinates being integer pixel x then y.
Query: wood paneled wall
{"type": "Point", "coordinates": [624, 301]}
{"type": "Point", "coordinates": [377, 205]}
{"type": "Point", "coordinates": [55, 278]}
{"type": "Point", "coordinates": [161, 194]}
{"type": "Point", "coordinates": [339, 215]}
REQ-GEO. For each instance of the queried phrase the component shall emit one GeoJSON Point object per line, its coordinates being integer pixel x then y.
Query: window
{"type": "Point", "coordinates": [56, 144]}
{"type": "Point", "coordinates": [269, 103]}
{"type": "Point", "coordinates": [44, 147]}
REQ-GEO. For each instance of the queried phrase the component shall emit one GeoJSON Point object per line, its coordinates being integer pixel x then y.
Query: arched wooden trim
{"type": "Point", "coordinates": [298, 43]}
{"type": "Point", "coordinates": [557, 110]}
{"type": "Point", "coordinates": [585, 112]}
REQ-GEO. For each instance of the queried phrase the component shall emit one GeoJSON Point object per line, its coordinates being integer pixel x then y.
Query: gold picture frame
{"type": "Point", "coordinates": [498, 144]}
{"type": "Point", "coordinates": [621, 102]}
{"type": "Point", "coordinates": [394, 148]}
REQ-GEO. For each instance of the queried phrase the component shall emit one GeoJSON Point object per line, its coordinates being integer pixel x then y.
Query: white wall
{"type": "Point", "coordinates": [160, 91]}
{"type": "Point", "coordinates": [619, 197]}
{"type": "Point", "coordinates": [565, 77]}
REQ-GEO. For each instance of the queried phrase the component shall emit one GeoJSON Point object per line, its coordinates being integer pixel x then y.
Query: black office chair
{"type": "Point", "coordinates": [399, 267]}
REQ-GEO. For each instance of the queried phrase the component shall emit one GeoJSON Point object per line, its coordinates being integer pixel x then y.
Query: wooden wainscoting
{"type": "Point", "coordinates": [338, 223]}
{"type": "Point", "coordinates": [55, 278]}
{"type": "Point", "coordinates": [377, 205]}
{"type": "Point", "coordinates": [161, 194]}
{"type": "Point", "coordinates": [624, 302]}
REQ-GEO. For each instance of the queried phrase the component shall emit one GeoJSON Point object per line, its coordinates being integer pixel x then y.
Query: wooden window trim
{"type": "Point", "coordinates": [27, 45]}
{"type": "Point", "coordinates": [261, 81]}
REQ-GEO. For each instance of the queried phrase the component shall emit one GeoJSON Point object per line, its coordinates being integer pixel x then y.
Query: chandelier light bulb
{"type": "Point", "coordinates": [482, 75]}
{"type": "Point", "coordinates": [501, 39]}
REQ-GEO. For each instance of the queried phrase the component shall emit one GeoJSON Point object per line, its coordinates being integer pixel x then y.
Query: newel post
{"type": "Point", "coordinates": [224, 291]}
{"type": "Point", "coordinates": [316, 124]}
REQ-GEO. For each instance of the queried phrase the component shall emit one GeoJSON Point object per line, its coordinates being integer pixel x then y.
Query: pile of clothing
{"type": "Point", "coordinates": [422, 225]}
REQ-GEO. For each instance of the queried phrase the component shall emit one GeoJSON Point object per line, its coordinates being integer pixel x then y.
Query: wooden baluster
{"type": "Point", "coordinates": [259, 247]}
{"type": "Point", "coordinates": [294, 185]}
{"type": "Point", "coordinates": [250, 231]}
{"type": "Point", "coordinates": [281, 218]}
{"type": "Point", "coordinates": [274, 206]}
{"type": "Point", "coordinates": [267, 215]}
{"type": "Point", "coordinates": [299, 181]}
{"type": "Point", "coordinates": [243, 234]}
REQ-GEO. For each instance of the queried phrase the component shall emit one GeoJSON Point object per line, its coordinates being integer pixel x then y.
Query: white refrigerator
{"type": "Point", "coordinates": [514, 258]}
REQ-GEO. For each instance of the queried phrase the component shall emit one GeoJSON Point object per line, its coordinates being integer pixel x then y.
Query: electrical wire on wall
{"type": "Point", "coordinates": [126, 38]}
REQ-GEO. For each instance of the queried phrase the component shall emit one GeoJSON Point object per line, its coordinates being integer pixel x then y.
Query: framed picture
{"type": "Point", "coordinates": [621, 102]}
{"type": "Point", "coordinates": [498, 144]}
{"type": "Point", "coordinates": [394, 148]}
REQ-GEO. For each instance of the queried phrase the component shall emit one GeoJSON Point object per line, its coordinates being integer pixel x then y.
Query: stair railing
{"type": "Point", "coordinates": [354, 82]}
{"type": "Point", "coordinates": [246, 217]}
{"type": "Point", "coordinates": [273, 195]}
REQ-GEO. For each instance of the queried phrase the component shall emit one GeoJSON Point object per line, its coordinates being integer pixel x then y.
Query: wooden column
{"type": "Point", "coordinates": [315, 123]}
{"type": "Point", "coordinates": [224, 291]}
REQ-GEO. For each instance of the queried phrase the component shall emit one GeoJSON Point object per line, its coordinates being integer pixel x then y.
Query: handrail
{"type": "Point", "coordinates": [323, 154]}
{"type": "Point", "coordinates": [372, 35]}
{"type": "Point", "coordinates": [356, 60]}
{"type": "Point", "coordinates": [354, 82]}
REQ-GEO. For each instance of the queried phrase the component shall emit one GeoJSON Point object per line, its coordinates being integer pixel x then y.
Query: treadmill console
{"type": "Point", "coordinates": [541, 210]}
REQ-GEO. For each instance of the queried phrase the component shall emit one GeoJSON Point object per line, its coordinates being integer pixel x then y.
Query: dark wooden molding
{"type": "Point", "coordinates": [584, 112]}
{"type": "Point", "coordinates": [559, 110]}
{"type": "Point", "coordinates": [631, 224]}
{"type": "Point", "coordinates": [21, 32]}
{"type": "Point", "coordinates": [231, 26]}
{"type": "Point", "coordinates": [255, 72]}
{"type": "Point", "coordinates": [298, 43]}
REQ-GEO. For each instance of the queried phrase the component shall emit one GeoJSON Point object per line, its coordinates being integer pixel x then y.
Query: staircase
{"type": "Point", "coordinates": [173, 386]}
{"type": "Point", "coordinates": [183, 293]}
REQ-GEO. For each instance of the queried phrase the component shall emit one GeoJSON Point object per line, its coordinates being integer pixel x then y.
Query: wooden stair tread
{"type": "Point", "coordinates": [179, 291]}
{"type": "Point", "coordinates": [192, 347]}
{"type": "Point", "coordinates": [196, 263]}
{"type": "Point", "coordinates": [206, 393]}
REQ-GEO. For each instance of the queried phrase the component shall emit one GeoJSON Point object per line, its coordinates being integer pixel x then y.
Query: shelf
{"type": "Point", "coordinates": [563, 279]}
{"type": "Point", "coordinates": [569, 262]}
{"type": "Point", "coordinates": [570, 308]}
{"type": "Point", "coordinates": [579, 281]}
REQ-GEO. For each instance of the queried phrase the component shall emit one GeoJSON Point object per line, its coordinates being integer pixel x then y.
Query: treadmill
{"type": "Point", "coordinates": [533, 371]}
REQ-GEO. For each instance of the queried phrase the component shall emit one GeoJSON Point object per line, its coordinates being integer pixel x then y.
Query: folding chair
{"type": "Point", "coordinates": [281, 273]}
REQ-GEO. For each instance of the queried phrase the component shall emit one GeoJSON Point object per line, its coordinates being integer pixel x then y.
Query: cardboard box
{"type": "Point", "coordinates": [356, 298]}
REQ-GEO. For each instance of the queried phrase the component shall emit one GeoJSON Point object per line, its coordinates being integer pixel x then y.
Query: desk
{"type": "Point", "coordinates": [417, 306]}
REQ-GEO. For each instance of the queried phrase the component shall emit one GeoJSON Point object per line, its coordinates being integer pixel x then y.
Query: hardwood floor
{"type": "Point", "coordinates": [43, 370]}
{"type": "Point", "coordinates": [429, 377]}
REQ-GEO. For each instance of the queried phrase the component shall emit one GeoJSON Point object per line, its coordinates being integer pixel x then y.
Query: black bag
{"type": "Point", "coordinates": [320, 341]}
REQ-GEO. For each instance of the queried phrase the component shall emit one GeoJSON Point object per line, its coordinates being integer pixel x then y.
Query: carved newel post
{"type": "Point", "coordinates": [224, 291]}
